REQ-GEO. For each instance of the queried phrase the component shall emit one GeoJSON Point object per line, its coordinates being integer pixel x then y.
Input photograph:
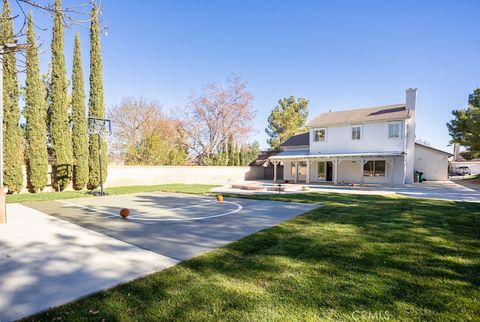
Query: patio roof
{"type": "Point", "coordinates": [300, 154]}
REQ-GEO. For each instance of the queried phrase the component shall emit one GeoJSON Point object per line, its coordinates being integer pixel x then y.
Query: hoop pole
{"type": "Point", "coordinates": [100, 161]}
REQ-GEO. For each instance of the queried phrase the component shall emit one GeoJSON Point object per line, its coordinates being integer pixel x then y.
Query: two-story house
{"type": "Point", "coordinates": [368, 145]}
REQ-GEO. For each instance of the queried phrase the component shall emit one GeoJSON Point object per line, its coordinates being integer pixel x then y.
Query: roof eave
{"type": "Point", "coordinates": [337, 155]}
{"type": "Point", "coordinates": [310, 125]}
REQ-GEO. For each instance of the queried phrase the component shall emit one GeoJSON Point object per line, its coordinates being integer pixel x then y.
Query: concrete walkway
{"type": "Point", "coordinates": [447, 190]}
{"type": "Point", "coordinates": [45, 262]}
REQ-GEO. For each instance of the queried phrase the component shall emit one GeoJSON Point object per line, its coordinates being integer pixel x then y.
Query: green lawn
{"type": "Point", "coordinates": [356, 258]}
{"type": "Point", "coordinates": [42, 196]}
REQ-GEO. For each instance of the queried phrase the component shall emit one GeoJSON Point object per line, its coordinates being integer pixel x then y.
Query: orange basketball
{"type": "Point", "coordinates": [219, 198]}
{"type": "Point", "coordinates": [124, 213]}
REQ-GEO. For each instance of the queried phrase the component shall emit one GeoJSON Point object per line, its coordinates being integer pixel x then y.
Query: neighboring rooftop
{"type": "Point", "coordinates": [298, 140]}
{"type": "Point", "coordinates": [434, 149]}
{"type": "Point", "coordinates": [371, 114]}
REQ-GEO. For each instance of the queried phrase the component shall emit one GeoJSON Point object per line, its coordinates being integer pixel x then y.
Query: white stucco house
{"type": "Point", "coordinates": [367, 145]}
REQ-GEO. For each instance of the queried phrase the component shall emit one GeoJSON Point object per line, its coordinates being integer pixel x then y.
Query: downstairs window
{"type": "Point", "coordinates": [374, 168]}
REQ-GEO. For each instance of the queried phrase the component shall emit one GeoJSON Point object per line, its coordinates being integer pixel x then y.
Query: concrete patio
{"type": "Point", "coordinates": [447, 190]}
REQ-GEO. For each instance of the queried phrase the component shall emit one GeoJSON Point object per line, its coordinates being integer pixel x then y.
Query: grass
{"type": "Point", "coordinates": [471, 177]}
{"type": "Point", "coordinates": [356, 258]}
{"type": "Point", "coordinates": [43, 196]}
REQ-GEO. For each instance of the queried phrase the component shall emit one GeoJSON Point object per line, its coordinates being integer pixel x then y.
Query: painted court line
{"type": "Point", "coordinates": [142, 218]}
{"type": "Point", "coordinates": [67, 204]}
{"type": "Point", "coordinates": [239, 207]}
{"type": "Point", "coordinates": [179, 208]}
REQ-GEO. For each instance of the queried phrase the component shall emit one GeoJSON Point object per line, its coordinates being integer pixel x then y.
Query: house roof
{"type": "Point", "coordinates": [298, 140]}
{"type": "Point", "coordinates": [433, 149]}
{"type": "Point", "coordinates": [371, 114]}
{"type": "Point", "coordinates": [261, 159]}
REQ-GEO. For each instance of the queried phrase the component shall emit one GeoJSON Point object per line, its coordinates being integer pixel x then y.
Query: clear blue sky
{"type": "Point", "coordinates": [337, 54]}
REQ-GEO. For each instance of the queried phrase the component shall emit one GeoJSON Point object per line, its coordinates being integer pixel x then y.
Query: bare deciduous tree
{"type": "Point", "coordinates": [220, 112]}
{"type": "Point", "coordinates": [136, 119]}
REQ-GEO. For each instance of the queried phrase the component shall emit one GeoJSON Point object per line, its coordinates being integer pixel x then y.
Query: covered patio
{"type": "Point", "coordinates": [341, 168]}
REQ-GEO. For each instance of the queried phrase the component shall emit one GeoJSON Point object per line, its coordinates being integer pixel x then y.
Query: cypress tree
{"type": "Point", "coordinates": [237, 155]}
{"type": "Point", "coordinates": [96, 106]}
{"type": "Point", "coordinates": [231, 157]}
{"type": "Point", "coordinates": [12, 141]}
{"type": "Point", "coordinates": [79, 120]}
{"type": "Point", "coordinates": [225, 153]}
{"type": "Point", "coordinates": [59, 128]}
{"type": "Point", "coordinates": [36, 114]}
{"type": "Point", "coordinates": [242, 155]}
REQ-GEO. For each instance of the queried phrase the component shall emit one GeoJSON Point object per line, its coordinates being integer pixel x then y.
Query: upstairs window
{"type": "Point", "coordinates": [394, 130]}
{"type": "Point", "coordinates": [356, 132]}
{"type": "Point", "coordinates": [319, 135]}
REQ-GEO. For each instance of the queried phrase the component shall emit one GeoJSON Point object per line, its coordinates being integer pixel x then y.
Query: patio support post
{"type": "Point", "coordinates": [335, 171]}
{"type": "Point", "coordinates": [390, 173]}
{"type": "Point", "coordinates": [361, 170]}
{"type": "Point", "coordinates": [307, 179]}
{"type": "Point", "coordinates": [275, 171]}
{"type": "Point", "coordinates": [296, 170]}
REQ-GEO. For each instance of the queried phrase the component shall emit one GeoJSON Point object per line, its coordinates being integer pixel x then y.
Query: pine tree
{"type": "Point", "coordinates": [79, 120]}
{"type": "Point", "coordinates": [286, 119]}
{"type": "Point", "coordinates": [12, 141]}
{"type": "Point", "coordinates": [59, 128]}
{"type": "Point", "coordinates": [36, 114]}
{"type": "Point", "coordinates": [96, 106]}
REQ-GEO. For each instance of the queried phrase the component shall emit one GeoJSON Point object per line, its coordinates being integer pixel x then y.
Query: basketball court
{"type": "Point", "coordinates": [178, 226]}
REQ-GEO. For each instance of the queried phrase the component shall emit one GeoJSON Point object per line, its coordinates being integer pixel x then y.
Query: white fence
{"type": "Point", "coordinates": [119, 175]}
{"type": "Point", "coordinates": [140, 175]}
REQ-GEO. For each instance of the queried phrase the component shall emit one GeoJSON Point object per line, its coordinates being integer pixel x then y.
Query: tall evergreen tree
{"type": "Point", "coordinates": [226, 156]}
{"type": "Point", "coordinates": [242, 155]}
{"type": "Point", "coordinates": [36, 114]}
{"type": "Point", "coordinates": [96, 106]}
{"type": "Point", "coordinates": [231, 156]}
{"type": "Point", "coordinates": [79, 120]}
{"type": "Point", "coordinates": [12, 140]}
{"type": "Point", "coordinates": [59, 118]}
{"type": "Point", "coordinates": [237, 156]}
{"type": "Point", "coordinates": [286, 119]}
{"type": "Point", "coordinates": [464, 128]}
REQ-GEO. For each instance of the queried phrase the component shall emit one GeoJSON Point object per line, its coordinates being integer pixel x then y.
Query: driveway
{"type": "Point", "coordinates": [448, 190]}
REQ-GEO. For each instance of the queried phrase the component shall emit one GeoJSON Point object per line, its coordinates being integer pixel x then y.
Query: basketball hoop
{"type": "Point", "coordinates": [99, 126]}
{"type": "Point", "coordinates": [102, 128]}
